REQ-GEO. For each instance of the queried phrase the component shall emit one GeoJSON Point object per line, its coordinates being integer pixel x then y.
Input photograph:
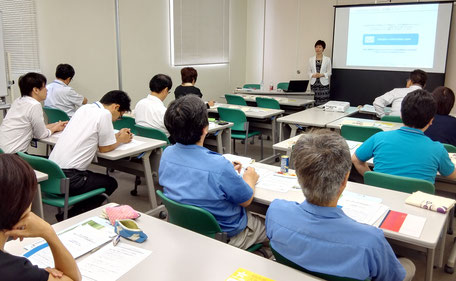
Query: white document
{"type": "Point", "coordinates": [413, 225]}
{"type": "Point", "coordinates": [244, 161]}
{"type": "Point", "coordinates": [362, 208]}
{"type": "Point", "coordinates": [276, 182]}
{"type": "Point", "coordinates": [125, 146]}
{"type": "Point", "coordinates": [111, 262]}
{"type": "Point", "coordinates": [212, 125]}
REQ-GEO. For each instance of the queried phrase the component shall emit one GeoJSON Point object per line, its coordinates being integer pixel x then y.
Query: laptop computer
{"type": "Point", "coordinates": [297, 86]}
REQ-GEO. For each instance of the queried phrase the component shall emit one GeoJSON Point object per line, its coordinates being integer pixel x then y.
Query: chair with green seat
{"type": "Point", "coordinates": [281, 259]}
{"type": "Point", "coordinates": [235, 99]}
{"type": "Point", "coordinates": [240, 128]}
{"type": "Point", "coordinates": [196, 219]}
{"type": "Point", "coordinates": [283, 85]}
{"type": "Point", "coordinates": [267, 103]}
{"type": "Point", "coordinates": [1, 151]}
{"type": "Point", "coordinates": [125, 122]}
{"type": "Point", "coordinates": [252, 86]}
{"type": "Point", "coordinates": [398, 183]}
{"type": "Point", "coordinates": [55, 115]}
{"type": "Point", "coordinates": [390, 118]}
{"type": "Point", "coordinates": [450, 148]}
{"type": "Point", "coordinates": [55, 190]}
{"type": "Point", "coordinates": [358, 133]}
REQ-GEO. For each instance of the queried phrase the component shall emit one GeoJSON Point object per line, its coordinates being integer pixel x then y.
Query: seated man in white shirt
{"type": "Point", "coordinates": [88, 131]}
{"type": "Point", "coordinates": [62, 96]}
{"type": "Point", "coordinates": [24, 119]}
{"type": "Point", "coordinates": [150, 111]}
{"type": "Point", "coordinates": [416, 81]}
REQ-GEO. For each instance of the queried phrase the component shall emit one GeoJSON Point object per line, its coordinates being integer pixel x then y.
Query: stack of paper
{"type": "Point", "coordinates": [404, 223]}
{"type": "Point", "coordinates": [431, 202]}
{"type": "Point", "coordinates": [367, 108]}
{"type": "Point", "coordinates": [275, 181]}
{"type": "Point", "coordinates": [362, 208]}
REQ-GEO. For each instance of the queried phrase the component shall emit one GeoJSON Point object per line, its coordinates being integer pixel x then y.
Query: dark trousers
{"type": "Point", "coordinates": [85, 181]}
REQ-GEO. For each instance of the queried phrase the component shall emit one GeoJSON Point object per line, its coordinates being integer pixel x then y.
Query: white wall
{"type": "Point", "coordinates": [82, 33]}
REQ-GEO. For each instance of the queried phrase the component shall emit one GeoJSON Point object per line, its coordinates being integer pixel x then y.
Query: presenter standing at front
{"type": "Point", "coordinates": [320, 73]}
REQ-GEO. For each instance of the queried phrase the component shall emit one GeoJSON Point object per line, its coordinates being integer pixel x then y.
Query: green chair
{"type": "Point", "coordinates": [125, 122]}
{"type": "Point", "coordinates": [389, 118]}
{"type": "Point", "coordinates": [252, 86]}
{"type": "Point", "coordinates": [240, 129]}
{"type": "Point", "coordinates": [267, 103]}
{"type": "Point", "coordinates": [235, 99]}
{"type": "Point", "coordinates": [55, 115]}
{"type": "Point", "coordinates": [281, 259]}
{"type": "Point", "coordinates": [358, 133]}
{"type": "Point", "coordinates": [450, 148]}
{"type": "Point", "coordinates": [55, 190]}
{"type": "Point", "coordinates": [196, 219]}
{"type": "Point", "coordinates": [1, 151]}
{"type": "Point", "coordinates": [283, 85]}
{"type": "Point", "coordinates": [398, 183]}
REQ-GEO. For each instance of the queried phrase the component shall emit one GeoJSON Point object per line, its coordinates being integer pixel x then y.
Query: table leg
{"type": "Point", "coordinates": [429, 264]}
{"type": "Point", "coordinates": [219, 142]}
{"type": "Point", "coordinates": [294, 130]}
{"type": "Point", "coordinates": [226, 140]}
{"type": "Point", "coordinates": [274, 130]}
{"type": "Point", "coordinates": [147, 159]}
{"type": "Point", "coordinates": [37, 203]}
{"type": "Point", "coordinates": [440, 248]}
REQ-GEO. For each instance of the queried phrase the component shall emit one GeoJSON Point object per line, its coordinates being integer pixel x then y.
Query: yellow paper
{"type": "Point", "coordinates": [245, 275]}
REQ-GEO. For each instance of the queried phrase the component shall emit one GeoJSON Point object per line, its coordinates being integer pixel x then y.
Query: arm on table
{"type": "Point", "coordinates": [251, 178]}
{"type": "Point", "coordinates": [123, 136]}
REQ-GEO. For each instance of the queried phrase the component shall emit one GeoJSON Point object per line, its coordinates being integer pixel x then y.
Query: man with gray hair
{"type": "Point", "coordinates": [317, 235]}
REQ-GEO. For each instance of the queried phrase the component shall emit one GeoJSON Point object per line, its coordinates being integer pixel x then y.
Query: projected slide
{"type": "Point", "coordinates": [392, 36]}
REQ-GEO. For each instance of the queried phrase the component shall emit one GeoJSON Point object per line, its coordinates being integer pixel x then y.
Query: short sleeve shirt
{"type": "Point", "coordinates": [187, 90]}
{"type": "Point", "coordinates": [406, 152]}
{"type": "Point", "coordinates": [14, 268]}
{"type": "Point", "coordinates": [194, 175]}
{"type": "Point", "coordinates": [90, 127]}
{"type": "Point", "coordinates": [63, 97]}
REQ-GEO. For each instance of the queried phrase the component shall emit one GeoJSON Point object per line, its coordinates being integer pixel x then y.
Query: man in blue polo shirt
{"type": "Point", "coordinates": [191, 174]}
{"type": "Point", "coordinates": [319, 236]}
{"type": "Point", "coordinates": [408, 152]}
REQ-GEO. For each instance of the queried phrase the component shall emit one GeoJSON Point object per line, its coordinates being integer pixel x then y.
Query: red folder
{"type": "Point", "coordinates": [393, 221]}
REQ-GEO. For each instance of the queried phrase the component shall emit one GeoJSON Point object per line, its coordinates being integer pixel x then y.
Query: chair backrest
{"type": "Point", "coordinates": [389, 118]}
{"type": "Point", "coordinates": [1, 151]}
{"type": "Point", "coordinates": [283, 85]}
{"type": "Point", "coordinates": [398, 183]}
{"type": "Point", "coordinates": [55, 115]}
{"type": "Point", "coordinates": [252, 86]}
{"type": "Point", "coordinates": [55, 174]}
{"type": "Point", "coordinates": [151, 133]}
{"type": "Point", "coordinates": [190, 217]}
{"type": "Point", "coordinates": [450, 148]}
{"type": "Point", "coordinates": [236, 116]}
{"type": "Point", "coordinates": [281, 259]}
{"type": "Point", "coordinates": [358, 133]}
{"type": "Point", "coordinates": [125, 122]}
{"type": "Point", "coordinates": [267, 103]}
{"type": "Point", "coordinates": [235, 99]}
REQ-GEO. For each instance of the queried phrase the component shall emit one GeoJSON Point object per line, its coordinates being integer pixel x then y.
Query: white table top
{"type": "Point", "coordinates": [5, 106]}
{"type": "Point", "coordinates": [395, 200]}
{"type": "Point", "coordinates": [272, 93]}
{"type": "Point", "coordinates": [298, 102]}
{"type": "Point", "coordinates": [180, 254]}
{"type": "Point", "coordinates": [40, 176]}
{"type": "Point", "coordinates": [385, 126]}
{"type": "Point", "coordinates": [287, 144]}
{"type": "Point", "coordinates": [315, 116]}
{"type": "Point", "coordinates": [250, 111]}
{"type": "Point", "coordinates": [214, 127]}
{"type": "Point", "coordinates": [148, 144]}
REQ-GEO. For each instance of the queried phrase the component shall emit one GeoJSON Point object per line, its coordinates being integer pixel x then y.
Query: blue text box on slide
{"type": "Point", "coordinates": [391, 39]}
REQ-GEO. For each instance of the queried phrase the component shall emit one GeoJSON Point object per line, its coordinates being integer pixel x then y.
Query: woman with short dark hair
{"type": "Point", "coordinates": [320, 73]}
{"type": "Point", "coordinates": [18, 186]}
{"type": "Point", "coordinates": [189, 76]}
{"type": "Point", "coordinates": [443, 128]}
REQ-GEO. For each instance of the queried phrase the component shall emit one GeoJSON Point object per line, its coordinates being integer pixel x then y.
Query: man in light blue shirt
{"type": "Point", "coordinates": [408, 152]}
{"type": "Point", "coordinates": [191, 174]}
{"type": "Point", "coordinates": [316, 234]}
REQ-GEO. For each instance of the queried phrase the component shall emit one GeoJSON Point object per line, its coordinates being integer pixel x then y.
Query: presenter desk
{"type": "Point", "coordinates": [431, 240]}
{"type": "Point", "coordinates": [115, 159]}
{"type": "Point", "coordinates": [181, 254]}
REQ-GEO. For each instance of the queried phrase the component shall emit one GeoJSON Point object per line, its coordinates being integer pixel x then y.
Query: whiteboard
{"type": "Point", "coordinates": [3, 80]}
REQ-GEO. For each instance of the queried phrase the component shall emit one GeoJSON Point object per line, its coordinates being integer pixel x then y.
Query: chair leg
{"type": "Point", "coordinates": [106, 196]}
{"type": "Point", "coordinates": [245, 146]}
{"type": "Point", "coordinates": [261, 147]}
{"type": "Point", "coordinates": [234, 147]}
{"type": "Point", "coordinates": [65, 211]}
{"type": "Point", "coordinates": [134, 191]}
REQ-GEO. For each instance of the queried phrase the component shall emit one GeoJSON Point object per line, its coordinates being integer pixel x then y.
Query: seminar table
{"type": "Point", "coordinates": [430, 242]}
{"type": "Point", "coordinates": [115, 159]}
{"type": "Point", "coordinates": [384, 125]}
{"type": "Point", "coordinates": [181, 254]}
{"type": "Point", "coordinates": [222, 135]}
{"type": "Point", "coordinates": [37, 203]}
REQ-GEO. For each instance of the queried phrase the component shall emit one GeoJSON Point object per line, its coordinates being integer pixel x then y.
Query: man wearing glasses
{"type": "Point", "coordinates": [416, 81]}
{"type": "Point", "coordinates": [90, 129]}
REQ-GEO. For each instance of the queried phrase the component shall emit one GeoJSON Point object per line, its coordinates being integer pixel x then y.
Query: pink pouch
{"type": "Point", "coordinates": [120, 213]}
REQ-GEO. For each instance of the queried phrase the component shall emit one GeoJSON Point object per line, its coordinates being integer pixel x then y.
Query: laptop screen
{"type": "Point", "coordinates": [298, 85]}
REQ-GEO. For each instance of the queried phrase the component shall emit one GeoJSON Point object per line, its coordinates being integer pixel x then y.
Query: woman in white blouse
{"type": "Point", "coordinates": [320, 73]}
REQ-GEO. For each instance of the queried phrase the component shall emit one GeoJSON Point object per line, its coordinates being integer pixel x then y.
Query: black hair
{"type": "Point", "coordinates": [188, 74]}
{"type": "Point", "coordinates": [419, 77]}
{"type": "Point", "coordinates": [186, 118]}
{"type": "Point", "coordinates": [418, 108]}
{"type": "Point", "coordinates": [18, 186]}
{"type": "Point", "coordinates": [29, 81]}
{"type": "Point", "coordinates": [160, 82]}
{"type": "Point", "coordinates": [321, 43]}
{"type": "Point", "coordinates": [118, 97]}
{"type": "Point", "coordinates": [64, 71]}
{"type": "Point", "coordinates": [444, 97]}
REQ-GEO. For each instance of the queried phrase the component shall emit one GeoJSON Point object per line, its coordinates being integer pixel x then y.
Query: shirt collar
{"type": "Point", "coordinates": [99, 104]}
{"type": "Point", "coordinates": [190, 146]}
{"type": "Point", "coordinates": [411, 130]}
{"type": "Point", "coordinates": [57, 81]}
{"type": "Point", "coordinates": [415, 86]}
{"type": "Point", "coordinates": [329, 212]}
{"type": "Point", "coordinates": [154, 98]}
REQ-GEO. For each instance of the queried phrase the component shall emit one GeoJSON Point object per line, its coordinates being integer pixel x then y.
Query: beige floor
{"type": "Point", "coordinates": [141, 203]}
